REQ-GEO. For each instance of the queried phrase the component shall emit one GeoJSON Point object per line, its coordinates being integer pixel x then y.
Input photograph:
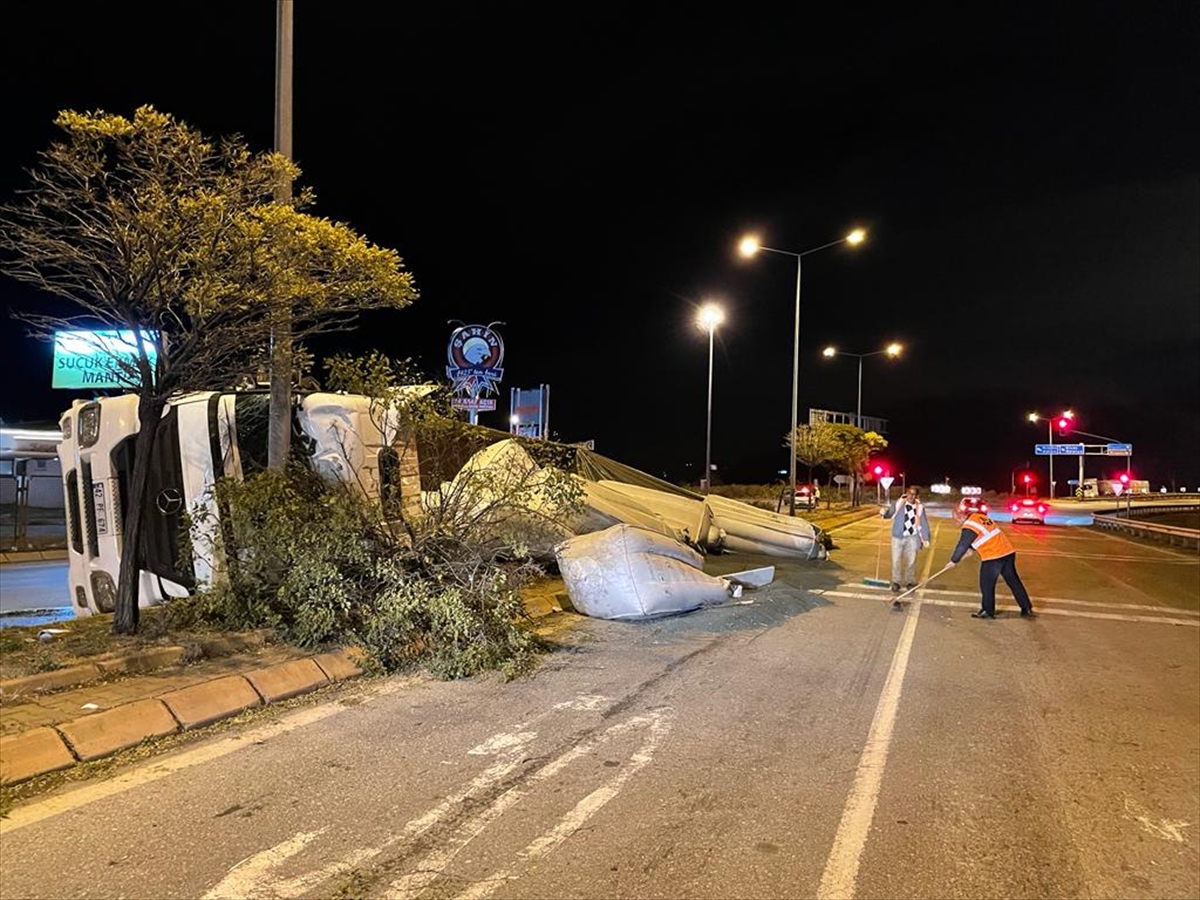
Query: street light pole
{"type": "Point", "coordinates": [708, 434]}
{"type": "Point", "coordinates": [1050, 439]}
{"type": "Point", "coordinates": [858, 408]}
{"type": "Point", "coordinates": [1035, 418]}
{"type": "Point", "coordinates": [709, 318]}
{"type": "Point", "coordinates": [795, 392]}
{"type": "Point", "coordinates": [749, 246]}
{"type": "Point", "coordinates": [892, 350]}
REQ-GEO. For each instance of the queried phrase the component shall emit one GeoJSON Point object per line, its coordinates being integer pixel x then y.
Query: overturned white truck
{"type": "Point", "coordinates": [206, 436]}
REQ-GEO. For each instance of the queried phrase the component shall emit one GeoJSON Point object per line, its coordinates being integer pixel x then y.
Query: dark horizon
{"type": "Point", "coordinates": [1029, 178]}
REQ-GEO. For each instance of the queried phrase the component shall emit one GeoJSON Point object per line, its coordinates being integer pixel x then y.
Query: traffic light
{"type": "Point", "coordinates": [1124, 478]}
{"type": "Point", "coordinates": [1064, 424]}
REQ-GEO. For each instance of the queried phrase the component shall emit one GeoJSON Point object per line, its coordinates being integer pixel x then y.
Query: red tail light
{"type": "Point", "coordinates": [1015, 507]}
{"type": "Point", "coordinates": [1042, 510]}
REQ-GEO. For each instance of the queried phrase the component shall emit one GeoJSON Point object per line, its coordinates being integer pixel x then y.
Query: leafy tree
{"type": "Point", "coordinates": [145, 225]}
{"type": "Point", "coordinates": [852, 448]}
{"type": "Point", "coordinates": [813, 445]}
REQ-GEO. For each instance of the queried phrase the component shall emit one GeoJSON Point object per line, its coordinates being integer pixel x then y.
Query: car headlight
{"type": "Point", "coordinates": [89, 425]}
{"type": "Point", "coordinates": [104, 591]}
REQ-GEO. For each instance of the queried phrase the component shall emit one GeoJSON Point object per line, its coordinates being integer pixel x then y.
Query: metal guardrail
{"type": "Point", "coordinates": [1136, 510]}
{"type": "Point", "coordinates": [1173, 534]}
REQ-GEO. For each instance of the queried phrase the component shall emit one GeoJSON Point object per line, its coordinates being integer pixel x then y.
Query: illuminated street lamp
{"type": "Point", "coordinates": [1063, 420]}
{"type": "Point", "coordinates": [709, 317]}
{"type": "Point", "coordinates": [891, 350]}
{"type": "Point", "coordinates": [750, 246]}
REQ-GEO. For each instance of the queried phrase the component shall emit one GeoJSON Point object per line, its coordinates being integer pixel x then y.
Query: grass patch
{"type": "Point", "coordinates": [88, 637]}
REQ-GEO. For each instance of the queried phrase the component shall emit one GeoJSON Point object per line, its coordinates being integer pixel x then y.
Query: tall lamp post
{"type": "Point", "coordinates": [1064, 419]}
{"type": "Point", "coordinates": [709, 317]}
{"type": "Point", "coordinates": [892, 351]}
{"type": "Point", "coordinates": [750, 246]}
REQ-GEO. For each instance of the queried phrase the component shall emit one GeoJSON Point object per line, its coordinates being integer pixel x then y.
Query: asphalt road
{"type": "Point", "coordinates": [809, 743]}
{"type": "Point", "coordinates": [34, 585]}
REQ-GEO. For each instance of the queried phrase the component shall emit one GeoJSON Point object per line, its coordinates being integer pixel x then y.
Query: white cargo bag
{"type": "Point", "coordinates": [631, 572]}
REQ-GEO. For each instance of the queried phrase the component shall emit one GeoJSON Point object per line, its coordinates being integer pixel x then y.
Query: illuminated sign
{"type": "Point", "coordinates": [475, 354]}
{"type": "Point", "coordinates": [99, 360]}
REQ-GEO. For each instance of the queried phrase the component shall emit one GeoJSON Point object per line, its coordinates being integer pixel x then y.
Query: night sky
{"type": "Point", "coordinates": [1029, 176]}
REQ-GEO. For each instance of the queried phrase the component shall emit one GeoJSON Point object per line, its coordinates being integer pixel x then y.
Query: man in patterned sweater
{"type": "Point", "coordinates": [910, 532]}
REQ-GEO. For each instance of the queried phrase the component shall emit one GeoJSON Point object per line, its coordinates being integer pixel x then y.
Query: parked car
{"type": "Point", "coordinates": [1029, 509]}
{"type": "Point", "coordinates": [972, 504]}
{"type": "Point", "coordinates": [807, 496]}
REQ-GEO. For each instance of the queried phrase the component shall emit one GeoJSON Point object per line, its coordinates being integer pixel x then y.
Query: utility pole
{"type": "Point", "coordinates": [279, 434]}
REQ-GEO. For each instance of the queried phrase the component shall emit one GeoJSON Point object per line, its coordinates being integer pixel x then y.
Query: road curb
{"type": "Point", "coordinates": [44, 682]}
{"type": "Point", "coordinates": [104, 733]}
{"type": "Point", "coordinates": [848, 519]}
{"type": "Point", "coordinates": [284, 680]}
{"type": "Point", "coordinates": [341, 664]}
{"type": "Point", "coordinates": [32, 753]}
{"type": "Point", "coordinates": [210, 701]}
{"type": "Point", "coordinates": [20, 556]}
{"type": "Point", "coordinates": [46, 749]}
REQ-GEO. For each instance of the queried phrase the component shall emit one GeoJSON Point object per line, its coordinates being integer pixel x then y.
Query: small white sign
{"type": "Point", "coordinates": [886, 481]}
{"type": "Point", "coordinates": [1117, 488]}
{"type": "Point", "coordinates": [841, 479]}
{"type": "Point", "coordinates": [940, 488]}
{"type": "Point", "coordinates": [968, 491]}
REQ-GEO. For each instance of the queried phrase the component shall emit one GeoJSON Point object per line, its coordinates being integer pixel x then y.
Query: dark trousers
{"type": "Point", "coordinates": [1006, 567]}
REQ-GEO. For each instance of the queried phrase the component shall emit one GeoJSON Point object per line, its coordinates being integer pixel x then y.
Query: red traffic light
{"type": "Point", "coordinates": [1027, 478]}
{"type": "Point", "coordinates": [879, 470]}
{"type": "Point", "coordinates": [1063, 423]}
{"type": "Point", "coordinates": [1124, 478]}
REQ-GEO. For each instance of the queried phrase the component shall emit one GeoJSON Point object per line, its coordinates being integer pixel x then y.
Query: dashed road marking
{"type": "Point", "coordinates": [1039, 609]}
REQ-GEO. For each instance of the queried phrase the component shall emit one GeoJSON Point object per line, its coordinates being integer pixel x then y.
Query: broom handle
{"type": "Point", "coordinates": [879, 546]}
{"type": "Point", "coordinates": [925, 582]}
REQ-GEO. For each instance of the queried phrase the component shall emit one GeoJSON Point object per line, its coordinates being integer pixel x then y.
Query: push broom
{"type": "Point", "coordinates": [941, 571]}
{"type": "Point", "coordinates": [877, 581]}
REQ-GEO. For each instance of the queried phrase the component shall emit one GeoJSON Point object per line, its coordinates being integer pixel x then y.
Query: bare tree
{"type": "Point", "coordinates": [146, 226]}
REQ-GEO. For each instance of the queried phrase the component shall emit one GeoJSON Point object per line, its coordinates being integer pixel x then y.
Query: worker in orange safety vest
{"type": "Point", "coordinates": [997, 558]}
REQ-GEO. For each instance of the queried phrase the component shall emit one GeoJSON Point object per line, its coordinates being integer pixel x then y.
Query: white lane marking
{"type": "Point", "coordinates": [508, 745]}
{"type": "Point", "coordinates": [1108, 557]}
{"type": "Point", "coordinates": [841, 868]}
{"type": "Point", "coordinates": [584, 703]}
{"type": "Point", "coordinates": [1165, 830]}
{"type": "Point", "coordinates": [1039, 599]}
{"type": "Point", "coordinates": [268, 887]}
{"type": "Point", "coordinates": [1040, 610]}
{"type": "Point", "coordinates": [498, 743]}
{"type": "Point", "coordinates": [578, 816]}
{"type": "Point", "coordinates": [244, 880]}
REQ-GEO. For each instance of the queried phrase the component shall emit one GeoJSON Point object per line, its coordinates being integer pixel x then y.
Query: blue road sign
{"type": "Point", "coordinates": [1058, 449]}
{"type": "Point", "coordinates": [1119, 449]}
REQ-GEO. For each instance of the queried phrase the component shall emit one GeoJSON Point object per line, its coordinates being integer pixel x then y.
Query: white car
{"type": "Point", "coordinates": [1029, 509]}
